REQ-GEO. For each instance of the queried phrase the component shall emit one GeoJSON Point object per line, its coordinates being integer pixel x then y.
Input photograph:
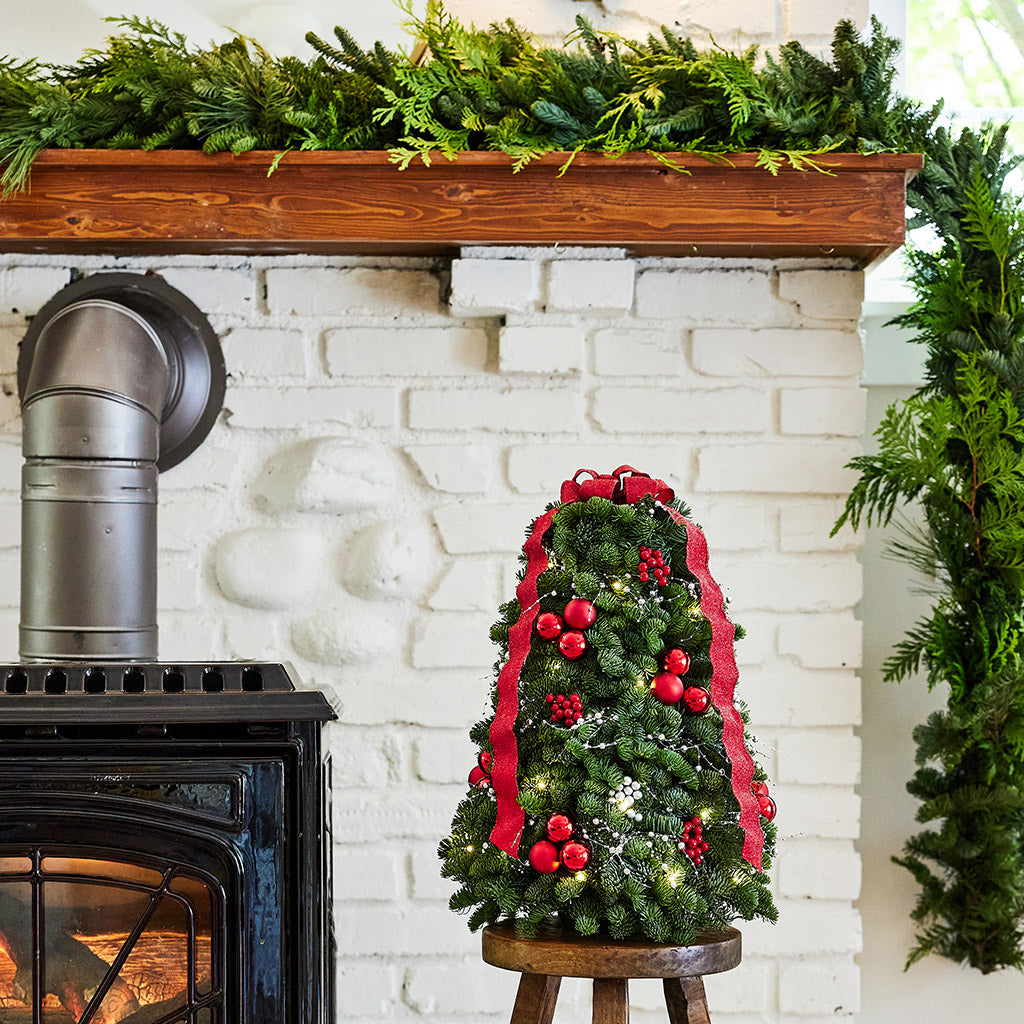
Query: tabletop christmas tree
{"type": "Point", "coordinates": [614, 791]}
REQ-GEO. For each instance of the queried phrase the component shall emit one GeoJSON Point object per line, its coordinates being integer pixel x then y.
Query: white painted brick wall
{"type": "Point", "coordinates": [406, 351]}
{"type": "Point", "coordinates": [512, 410]}
{"type": "Point", "coordinates": [829, 411]}
{"type": "Point", "coordinates": [670, 411]}
{"type": "Point", "coordinates": [359, 506]}
{"type": "Point", "coordinates": [541, 348]}
{"type": "Point", "coordinates": [711, 297]}
{"type": "Point", "coordinates": [820, 868]}
{"type": "Point", "coordinates": [320, 291]}
{"type": "Point", "coordinates": [824, 295]}
{"type": "Point", "coordinates": [591, 286]}
{"type": "Point", "coordinates": [777, 352]}
{"type": "Point", "coordinates": [647, 353]}
{"type": "Point", "coordinates": [478, 291]}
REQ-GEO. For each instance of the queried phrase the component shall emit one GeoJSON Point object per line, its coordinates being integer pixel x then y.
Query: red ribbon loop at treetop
{"type": "Point", "coordinates": [624, 486]}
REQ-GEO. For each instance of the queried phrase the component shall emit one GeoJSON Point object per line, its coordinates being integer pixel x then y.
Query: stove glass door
{"type": "Point", "coordinates": [102, 941]}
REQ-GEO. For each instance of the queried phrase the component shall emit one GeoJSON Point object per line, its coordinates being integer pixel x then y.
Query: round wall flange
{"type": "Point", "coordinates": [195, 392]}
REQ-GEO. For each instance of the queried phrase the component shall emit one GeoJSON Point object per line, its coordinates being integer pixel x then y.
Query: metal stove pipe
{"type": "Point", "coordinates": [91, 437]}
{"type": "Point", "coordinates": [121, 377]}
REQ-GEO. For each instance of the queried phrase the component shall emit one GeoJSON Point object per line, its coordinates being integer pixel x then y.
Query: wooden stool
{"type": "Point", "coordinates": [553, 955]}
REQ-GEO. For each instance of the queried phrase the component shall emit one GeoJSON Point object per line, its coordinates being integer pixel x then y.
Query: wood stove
{"type": "Point", "coordinates": [164, 846]}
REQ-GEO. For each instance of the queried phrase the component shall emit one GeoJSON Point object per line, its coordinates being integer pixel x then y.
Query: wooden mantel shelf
{"type": "Point", "coordinates": [126, 201]}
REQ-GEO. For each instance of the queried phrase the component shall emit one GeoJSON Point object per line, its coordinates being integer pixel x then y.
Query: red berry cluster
{"type": "Point", "coordinates": [652, 562]}
{"type": "Point", "coordinates": [565, 709]}
{"type": "Point", "coordinates": [694, 845]}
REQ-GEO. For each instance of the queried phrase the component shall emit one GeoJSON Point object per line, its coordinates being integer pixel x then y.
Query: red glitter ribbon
{"type": "Point", "coordinates": [625, 486]}
{"type": "Point", "coordinates": [724, 676]}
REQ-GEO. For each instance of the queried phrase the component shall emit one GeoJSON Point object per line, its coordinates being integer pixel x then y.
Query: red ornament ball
{"type": "Point", "coordinates": [575, 856]}
{"type": "Point", "coordinates": [572, 644]}
{"type": "Point", "coordinates": [479, 778]}
{"type": "Point", "coordinates": [580, 614]}
{"type": "Point", "coordinates": [559, 828]}
{"type": "Point", "coordinates": [697, 700]}
{"type": "Point", "coordinates": [668, 688]}
{"type": "Point", "coordinates": [767, 805]}
{"type": "Point", "coordinates": [676, 660]}
{"type": "Point", "coordinates": [759, 789]}
{"type": "Point", "coordinates": [485, 758]}
{"type": "Point", "coordinates": [549, 625]}
{"type": "Point", "coordinates": [544, 857]}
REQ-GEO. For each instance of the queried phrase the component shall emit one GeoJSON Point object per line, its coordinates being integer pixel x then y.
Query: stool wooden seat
{"type": "Point", "coordinates": [553, 954]}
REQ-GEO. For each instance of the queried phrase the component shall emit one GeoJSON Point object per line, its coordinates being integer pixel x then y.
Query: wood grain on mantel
{"type": "Point", "coordinates": [183, 201]}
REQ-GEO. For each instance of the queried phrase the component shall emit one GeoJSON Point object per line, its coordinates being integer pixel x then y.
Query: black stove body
{"type": "Point", "coordinates": [164, 846]}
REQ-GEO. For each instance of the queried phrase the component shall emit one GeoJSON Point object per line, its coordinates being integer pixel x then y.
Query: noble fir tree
{"type": "Point", "coordinates": [614, 791]}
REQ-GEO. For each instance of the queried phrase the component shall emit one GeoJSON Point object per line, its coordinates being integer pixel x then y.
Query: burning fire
{"type": "Point", "coordinates": [155, 972]}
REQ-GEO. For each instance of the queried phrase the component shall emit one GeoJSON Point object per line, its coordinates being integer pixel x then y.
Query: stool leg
{"type": "Point", "coordinates": [611, 1001]}
{"type": "Point", "coordinates": [686, 1001]}
{"type": "Point", "coordinates": [535, 1000]}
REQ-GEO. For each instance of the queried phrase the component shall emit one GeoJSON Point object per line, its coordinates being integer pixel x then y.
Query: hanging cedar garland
{"type": "Point", "coordinates": [957, 447]}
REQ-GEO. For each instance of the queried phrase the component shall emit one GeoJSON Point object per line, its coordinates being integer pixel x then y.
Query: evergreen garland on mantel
{"type": "Point", "coordinates": [493, 89]}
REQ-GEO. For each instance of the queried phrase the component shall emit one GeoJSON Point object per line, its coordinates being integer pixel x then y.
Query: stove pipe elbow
{"type": "Point", "coordinates": [91, 413]}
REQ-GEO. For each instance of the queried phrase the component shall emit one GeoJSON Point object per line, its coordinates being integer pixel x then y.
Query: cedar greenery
{"type": "Point", "coordinates": [957, 448]}
{"type": "Point", "coordinates": [496, 89]}
{"type": "Point", "coordinates": [638, 880]}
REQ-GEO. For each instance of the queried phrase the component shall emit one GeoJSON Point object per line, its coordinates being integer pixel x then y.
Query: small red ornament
{"type": "Point", "coordinates": [549, 625]}
{"type": "Point", "coordinates": [575, 856]}
{"type": "Point", "coordinates": [668, 688]}
{"type": "Point", "coordinates": [479, 778]}
{"type": "Point", "coordinates": [559, 828]}
{"type": "Point", "coordinates": [759, 789]}
{"type": "Point", "coordinates": [697, 700]}
{"type": "Point", "coordinates": [572, 644]}
{"type": "Point", "coordinates": [485, 759]}
{"type": "Point", "coordinates": [544, 857]}
{"type": "Point", "coordinates": [676, 660]}
{"type": "Point", "coordinates": [580, 614]}
{"type": "Point", "coordinates": [767, 805]}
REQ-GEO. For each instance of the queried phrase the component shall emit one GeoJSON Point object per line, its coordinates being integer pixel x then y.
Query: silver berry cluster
{"type": "Point", "coordinates": [626, 796]}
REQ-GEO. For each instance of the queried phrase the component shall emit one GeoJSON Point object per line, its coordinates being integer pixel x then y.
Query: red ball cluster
{"type": "Point", "coordinates": [670, 689]}
{"type": "Point", "coordinates": [764, 801]}
{"type": "Point", "coordinates": [694, 845]}
{"type": "Point", "coordinates": [580, 615]}
{"type": "Point", "coordinates": [652, 563]}
{"type": "Point", "coordinates": [565, 709]}
{"type": "Point", "coordinates": [480, 776]}
{"type": "Point", "coordinates": [548, 855]}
